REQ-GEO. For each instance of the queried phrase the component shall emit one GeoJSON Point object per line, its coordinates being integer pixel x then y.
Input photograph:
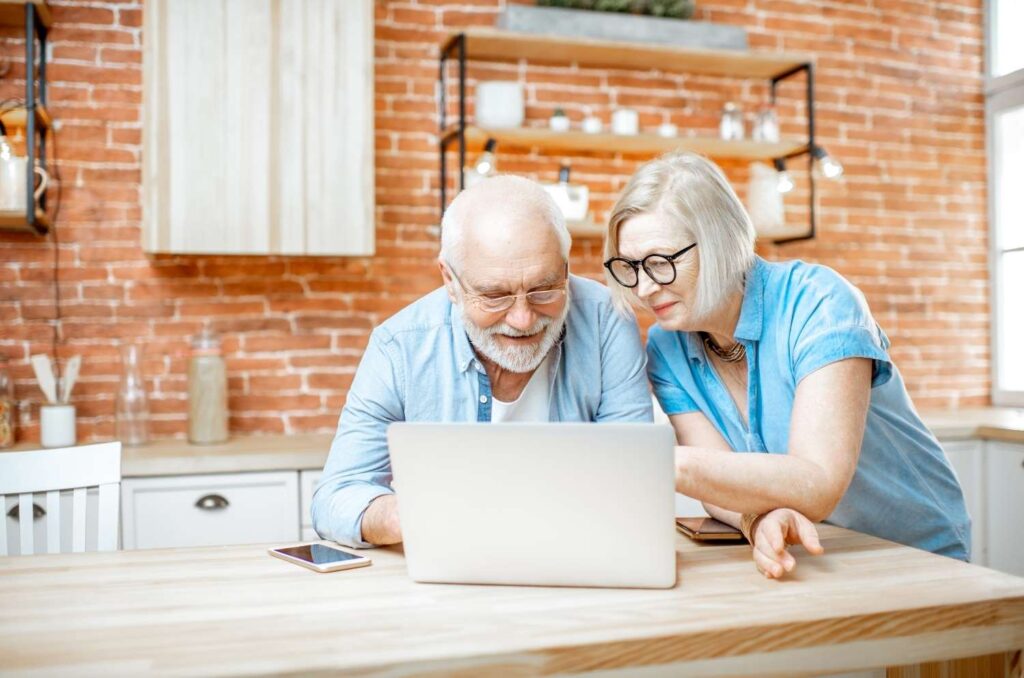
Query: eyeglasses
{"type": "Point", "coordinates": [499, 304]}
{"type": "Point", "coordinates": [661, 268]}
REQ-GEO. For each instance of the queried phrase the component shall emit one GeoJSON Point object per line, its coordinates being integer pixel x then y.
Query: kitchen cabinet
{"type": "Point", "coordinates": [258, 127]}
{"type": "Point", "coordinates": [205, 510]}
{"type": "Point", "coordinates": [1004, 499]}
{"type": "Point", "coordinates": [967, 459]}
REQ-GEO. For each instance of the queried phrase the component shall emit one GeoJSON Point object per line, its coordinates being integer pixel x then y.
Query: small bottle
{"type": "Point", "coordinates": [207, 390]}
{"type": "Point", "coordinates": [731, 126]}
{"type": "Point", "coordinates": [766, 126]}
{"type": "Point", "coordinates": [7, 404]}
{"type": "Point", "coordinates": [132, 406]}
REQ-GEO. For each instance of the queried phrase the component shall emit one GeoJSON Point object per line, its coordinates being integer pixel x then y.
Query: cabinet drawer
{"type": "Point", "coordinates": [307, 483]}
{"type": "Point", "coordinates": [206, 510]}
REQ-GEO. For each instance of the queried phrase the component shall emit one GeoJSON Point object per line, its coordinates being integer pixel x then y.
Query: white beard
{"type": "Point", "coordinates": [519, 359]}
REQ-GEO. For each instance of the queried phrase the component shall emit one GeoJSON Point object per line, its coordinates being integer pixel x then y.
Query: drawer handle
{"type": "Point", "coordinates": [212, 502]}
{"type": "Point", "coordinates": [37, 512]}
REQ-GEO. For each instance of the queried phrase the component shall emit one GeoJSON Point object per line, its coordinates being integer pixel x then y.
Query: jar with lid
{"type": "Point", "coordinates": [207, 390]}
{"type": "Point", "coordinates": [7, 404]}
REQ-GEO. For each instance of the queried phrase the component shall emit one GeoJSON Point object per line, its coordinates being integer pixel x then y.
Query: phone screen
{"type": "Point", "coordinates": [318, 554]}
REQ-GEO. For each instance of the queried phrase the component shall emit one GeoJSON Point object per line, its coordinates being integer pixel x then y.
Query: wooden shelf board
{"type": "Point", "coordinates": [525, 137]}
{"type": "Point", "coordinates": [12, 12]}
{"type": "Point", "coordinates": [484, 43]}
{"type": "Point", "coordinates": [18, 117]}
{"type": "Point", "coordinates": [585, 228]}
{"type": "Point", "coordinates": [14, 220]}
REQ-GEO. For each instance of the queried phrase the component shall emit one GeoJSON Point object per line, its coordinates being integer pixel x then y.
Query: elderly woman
{"type": "Point", "coordinates": [782, 362]}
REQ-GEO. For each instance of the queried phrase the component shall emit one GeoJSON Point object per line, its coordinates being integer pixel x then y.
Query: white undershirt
{"type": "Point", "coordinates": [532, 404]}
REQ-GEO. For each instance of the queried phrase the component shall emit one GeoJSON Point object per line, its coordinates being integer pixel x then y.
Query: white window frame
{"type": "Point", "coordinates": [1001, 93]}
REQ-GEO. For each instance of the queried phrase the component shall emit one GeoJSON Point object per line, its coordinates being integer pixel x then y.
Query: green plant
{"type": "Point", "coordinates": [676, 9]}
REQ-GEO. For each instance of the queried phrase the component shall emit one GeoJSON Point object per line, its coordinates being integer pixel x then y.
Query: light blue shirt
{"type": "Point", "coordinates": [795, 319]}
{"type": "Point", "coordinates": [420, 366]}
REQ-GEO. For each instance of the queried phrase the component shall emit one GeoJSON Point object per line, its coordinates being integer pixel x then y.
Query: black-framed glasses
{"type": "Point", "coordinates": [498, 304]}
{"type": "Point", "coordinates": [661, 268]}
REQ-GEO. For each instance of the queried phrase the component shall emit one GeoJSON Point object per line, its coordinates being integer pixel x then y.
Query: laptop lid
{"type": "Point", "coordinates": [541, 504]}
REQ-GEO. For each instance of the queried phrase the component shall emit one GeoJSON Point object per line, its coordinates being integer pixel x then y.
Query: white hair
{"type": "Point", "coordinates": [505, 194]}
{"type": "Point", "coordinates": [694, 195]}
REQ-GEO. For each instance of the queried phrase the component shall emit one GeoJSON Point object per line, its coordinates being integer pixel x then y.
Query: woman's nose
{"type": "Point", "coordinates": [645, 287]}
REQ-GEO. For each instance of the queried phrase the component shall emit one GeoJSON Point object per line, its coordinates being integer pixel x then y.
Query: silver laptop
{"type": "Point", "coordinates": [539, 504]}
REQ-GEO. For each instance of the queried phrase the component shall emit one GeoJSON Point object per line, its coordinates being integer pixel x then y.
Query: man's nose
{"type": "Point", "coordinates": [521, 316]}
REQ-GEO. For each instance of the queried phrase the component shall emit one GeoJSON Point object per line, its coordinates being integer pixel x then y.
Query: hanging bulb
{"type": "Point", "coordinates": [830, 167]}
{"type": "Point", "coordinates": [6, 152]}
{"type": "Point", "coordinates": [486, 164]}
{"type": "Point", "coordinates": [785, 182]}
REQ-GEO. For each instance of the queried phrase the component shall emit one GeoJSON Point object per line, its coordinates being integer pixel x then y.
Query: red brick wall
{"type": "Point", "coordinates": [899, 101]}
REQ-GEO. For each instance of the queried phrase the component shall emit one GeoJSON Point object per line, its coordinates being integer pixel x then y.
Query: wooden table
{"type": "Point", "coordinates": [235, 610]}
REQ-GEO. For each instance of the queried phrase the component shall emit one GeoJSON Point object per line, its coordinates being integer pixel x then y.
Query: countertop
{"type": "Point", "coordinates": [308, 451]}
{"type": "Point", "coordinates": [236, 610]}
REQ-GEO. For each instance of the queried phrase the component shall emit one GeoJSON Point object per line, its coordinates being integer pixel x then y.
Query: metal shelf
{"type": "Point", "coordinates": [493, 44]}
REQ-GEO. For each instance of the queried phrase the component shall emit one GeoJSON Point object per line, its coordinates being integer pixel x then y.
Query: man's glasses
{"type": "Point", "coordinates": [661, 268]}
{"type": "Point", "coordinates": [500, 303]}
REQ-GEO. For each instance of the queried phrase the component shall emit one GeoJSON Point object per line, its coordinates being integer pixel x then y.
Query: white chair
{"type": "Point", "coordinates": [77, 469]}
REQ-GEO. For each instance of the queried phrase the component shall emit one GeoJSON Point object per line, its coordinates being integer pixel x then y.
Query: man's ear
{"type": "Point", "coordinates": [449, 284]}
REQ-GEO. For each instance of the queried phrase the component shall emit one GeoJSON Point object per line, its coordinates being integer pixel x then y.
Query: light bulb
{"type": "Point", "coordinates": [785, 182]}
{"type": "Point", "coordinates": [831, 167]}
{"type": "Point", "coordinates": [485, 164]}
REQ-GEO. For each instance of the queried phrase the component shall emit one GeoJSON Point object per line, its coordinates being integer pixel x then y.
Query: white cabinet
{"type": "Point", "coordinates": [202, 510]}
{"type": "Point", "coordinates": [1005, 507]}
{"type": "Point", "coordinates": [307, 484]}
{"type": "Point", "coordinates": [967, 459]}
{"type": "Point", "coordinates": [258, 127]}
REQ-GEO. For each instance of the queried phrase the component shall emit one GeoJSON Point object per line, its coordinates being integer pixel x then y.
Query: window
{"type": "Point", "coordinates": [1004, 104]}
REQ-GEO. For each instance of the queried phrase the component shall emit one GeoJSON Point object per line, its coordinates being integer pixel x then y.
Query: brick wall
{"type": "Point", "coordinates": [899, 101]}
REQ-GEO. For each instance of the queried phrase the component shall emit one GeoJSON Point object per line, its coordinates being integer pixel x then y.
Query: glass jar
{"type": "Point", "coordinates": [730, 127]}
{"type": "Point", "coordinates": [766, 126]}
{"type": "Point", "coordinates": [7, 404]}
{"type": "Point", "coordinates": [132, 405]}
{"type": "Point", "coordinates": [207, 390]}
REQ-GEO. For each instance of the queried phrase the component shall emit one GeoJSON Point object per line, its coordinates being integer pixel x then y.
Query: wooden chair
{"type": "Point", "coordinates": [69, 468]}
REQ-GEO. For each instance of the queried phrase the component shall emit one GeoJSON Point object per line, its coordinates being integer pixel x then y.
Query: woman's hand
{"type": "Point", "coordinates": [774, 532]}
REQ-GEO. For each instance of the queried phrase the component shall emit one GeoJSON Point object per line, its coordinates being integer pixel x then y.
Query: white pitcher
{"type": "Point", "coordinates": [13, 169]}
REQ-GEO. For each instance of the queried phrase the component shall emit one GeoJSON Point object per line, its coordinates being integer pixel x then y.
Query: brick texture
{"type": "Point", "coordinates": [899, 101]}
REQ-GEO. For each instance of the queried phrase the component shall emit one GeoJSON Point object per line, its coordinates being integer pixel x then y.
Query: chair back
{"type": "Point", "coordinates": [60, 484]}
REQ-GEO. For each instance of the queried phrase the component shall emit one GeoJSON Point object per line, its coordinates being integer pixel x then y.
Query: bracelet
{"type": "Point", "coordinates": [747, 525]}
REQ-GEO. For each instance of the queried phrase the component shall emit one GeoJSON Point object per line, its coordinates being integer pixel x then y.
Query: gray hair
{"type": "Point", "coordinates": [693, 193]}
{"type": "Point", "coordinates": [505, 193]}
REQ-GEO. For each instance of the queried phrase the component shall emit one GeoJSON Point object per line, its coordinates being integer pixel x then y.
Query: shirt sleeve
{"type": "Point", "coordinates": [672, 397]}
{"type": "Point", "coordinates": [832, 322]}
{"type": "Point", "coordinates": [624, 392]}
{"type": "Point", "coordinates": [358, 468]}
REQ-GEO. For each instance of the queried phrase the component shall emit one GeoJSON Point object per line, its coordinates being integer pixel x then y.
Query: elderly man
{"type": "Point", "coordinates": [510, 337]}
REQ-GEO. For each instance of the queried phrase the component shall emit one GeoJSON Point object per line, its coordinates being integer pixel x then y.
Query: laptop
{"type": "Point", "coordinates": [537, 504]}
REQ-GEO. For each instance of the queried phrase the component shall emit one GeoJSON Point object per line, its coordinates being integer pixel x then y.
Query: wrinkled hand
{"type": "Point", "coordinates": [774, 532]}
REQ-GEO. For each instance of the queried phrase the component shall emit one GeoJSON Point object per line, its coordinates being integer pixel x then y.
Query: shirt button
{"type": "Point", "coordinates": [483, 399]}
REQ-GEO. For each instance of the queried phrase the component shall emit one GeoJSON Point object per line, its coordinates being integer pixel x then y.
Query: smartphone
{"type": "Point", "coordinates": [320, 557]}
{"type": "Point", "coordinates": [708, 529]}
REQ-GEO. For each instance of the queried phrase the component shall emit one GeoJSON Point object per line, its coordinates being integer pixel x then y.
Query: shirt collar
{"type": "Point", "coordinates": [752, 312]}
{"type": "Point", "coordinates": [748, 327]}
{"type": "Point", "coordinates": [464, 354]}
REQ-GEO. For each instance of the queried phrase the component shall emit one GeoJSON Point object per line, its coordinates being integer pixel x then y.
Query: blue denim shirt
{"type": "Point", "coordinates": [795, 319]}
{"type": "Point", "coordinates": [420, 366]}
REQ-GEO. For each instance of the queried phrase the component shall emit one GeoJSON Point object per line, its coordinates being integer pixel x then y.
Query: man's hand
{"type": "Point", "coordinates": [381, 526]}
{"type": "Point", "coordinates": [776, 530]}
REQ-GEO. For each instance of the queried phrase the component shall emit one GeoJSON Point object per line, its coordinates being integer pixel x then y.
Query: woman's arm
{"type": "Point", "coordinates": [826, 431]}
